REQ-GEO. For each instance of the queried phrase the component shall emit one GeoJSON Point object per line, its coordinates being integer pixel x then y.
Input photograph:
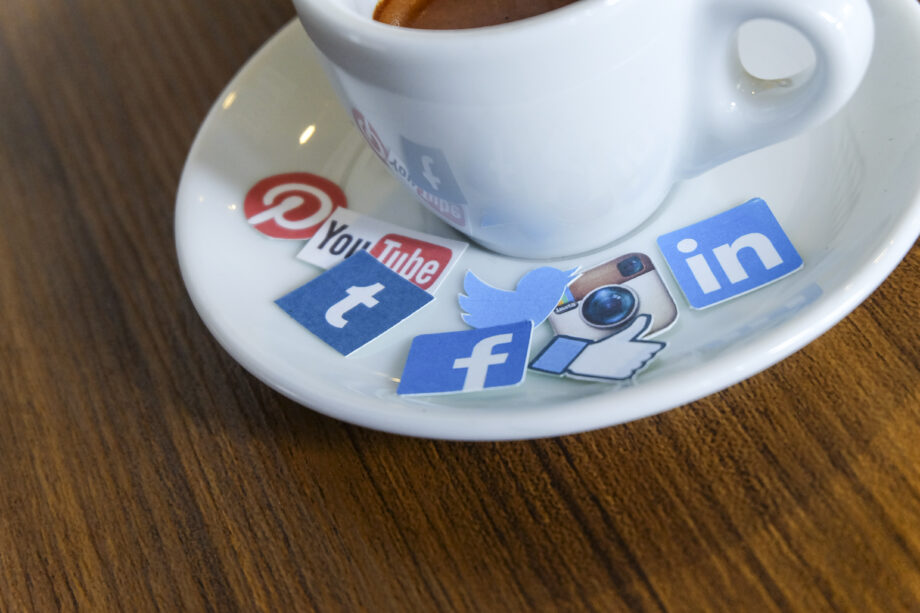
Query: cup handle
{"type": "Point", "coordinates": [736, 112]}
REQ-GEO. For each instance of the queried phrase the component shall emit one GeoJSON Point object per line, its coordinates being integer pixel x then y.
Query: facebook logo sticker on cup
{"type": "Point", "coordinates": [467, 361]}
{"type": "Point", "coordinates": [429, 170]}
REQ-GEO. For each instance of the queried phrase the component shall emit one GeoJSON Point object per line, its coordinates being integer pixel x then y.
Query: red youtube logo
{"type": "Point", "coordinates": [417, 261]}
{"type": "Point", "coordinates": [292, 205]}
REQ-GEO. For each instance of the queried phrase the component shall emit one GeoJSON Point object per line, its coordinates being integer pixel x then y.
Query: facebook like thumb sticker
{"type": "Point", "coordinates": [618, 357]}
{"type": "Point", "coordinates": [467, 361]}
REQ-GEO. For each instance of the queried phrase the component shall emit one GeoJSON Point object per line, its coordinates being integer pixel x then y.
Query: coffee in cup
{"type": "Point", "coordinates": [460, 14]}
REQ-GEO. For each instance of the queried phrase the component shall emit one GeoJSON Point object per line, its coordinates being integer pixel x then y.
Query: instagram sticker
{"type": "Point", "coordinates": [604, 319]}
{"type": "Point", "coordinates": [608, 298]}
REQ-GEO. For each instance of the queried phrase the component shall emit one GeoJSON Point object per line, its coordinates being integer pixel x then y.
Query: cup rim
{"type": "Point", "coordinates": [335, 17]}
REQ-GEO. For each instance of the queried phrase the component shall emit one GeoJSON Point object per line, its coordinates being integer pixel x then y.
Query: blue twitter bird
{"type": "Point", "coordinates": [533, 299]}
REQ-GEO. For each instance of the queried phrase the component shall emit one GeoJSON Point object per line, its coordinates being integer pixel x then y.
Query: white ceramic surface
{"type": "Point", "coordinates": [847, 193]}
{"type": "Point", "coordinates": [560, 133]}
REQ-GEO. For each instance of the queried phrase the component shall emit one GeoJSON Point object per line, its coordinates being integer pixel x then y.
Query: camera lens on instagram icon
{"type": "Point", "coordinates": [607, 298]}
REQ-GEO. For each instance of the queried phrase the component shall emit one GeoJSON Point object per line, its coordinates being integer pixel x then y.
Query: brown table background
{"type": "Point", "coordinates": [141, 468]}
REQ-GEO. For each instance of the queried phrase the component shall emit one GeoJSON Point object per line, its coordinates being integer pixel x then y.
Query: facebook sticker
{"type": "Point", "coordinates": [730, 254]}
{"type": "Point", "coordinates": [467, 361]}
{"type": "Point", "coordinates": [429, 170]}
{"type": "Point", "coordinates": [354, 302]}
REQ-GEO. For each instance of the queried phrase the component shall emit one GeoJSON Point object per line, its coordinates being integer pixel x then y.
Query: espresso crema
{"type": "Point", "coordinates": [460, 14]}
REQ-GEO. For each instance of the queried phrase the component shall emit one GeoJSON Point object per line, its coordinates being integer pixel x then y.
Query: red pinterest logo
{"type": "Point", "coordinates": [292, 205]}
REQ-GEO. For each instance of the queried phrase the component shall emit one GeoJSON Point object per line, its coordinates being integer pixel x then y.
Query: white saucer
{"type": "Point", "coordinates": [847, 194]}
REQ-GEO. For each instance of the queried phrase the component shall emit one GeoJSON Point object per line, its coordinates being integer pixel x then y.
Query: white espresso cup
{"type": "Point", "coordinates": [559, 133]}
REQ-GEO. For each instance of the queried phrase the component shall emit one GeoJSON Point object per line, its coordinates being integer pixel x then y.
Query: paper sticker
{"type": "Point", "coordinates": [618, 357]}
{"type": "Point", "coordinates": [423, 259]}
{"type": "Point", "coordinates": [604, 319]}
{"type": "Point", "coordinates": [467, 361]}
{"type": "Point", "coordinates": [292, 205]}
{"type": "Point", "coordinates": [728, 255]}
{"type": "Point", "coordinates": [533, 299]}
{"type": "Point", "coordinates": [608, 297]}
{"type": "Point", "coordinates": [349, 305]}
{"type": "Point", "coordinates": [558, 354]}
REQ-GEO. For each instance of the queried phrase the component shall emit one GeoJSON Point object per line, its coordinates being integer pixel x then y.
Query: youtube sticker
{"type": "Point", "coordinates": [421, 258]}
{"type": "Point", "coordinates": [292, 205]}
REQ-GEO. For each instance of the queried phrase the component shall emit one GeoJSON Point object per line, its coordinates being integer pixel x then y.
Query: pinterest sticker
{"type": "Point", "coordinates": [292, 205]}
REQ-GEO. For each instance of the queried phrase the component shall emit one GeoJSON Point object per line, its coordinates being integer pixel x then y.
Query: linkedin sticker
{"type": "Point", "coordinates": [730, 254]}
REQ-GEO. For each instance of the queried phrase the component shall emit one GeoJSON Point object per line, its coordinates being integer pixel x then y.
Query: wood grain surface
{"type": "Point", "coordinates": [142, 469]}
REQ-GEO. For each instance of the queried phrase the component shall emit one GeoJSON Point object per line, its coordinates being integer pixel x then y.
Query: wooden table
{"type": "Point", "coordinates": [141, 468]}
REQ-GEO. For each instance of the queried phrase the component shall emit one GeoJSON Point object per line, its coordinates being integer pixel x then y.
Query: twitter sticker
{"type": "Point", "coordinates": [536, 295]}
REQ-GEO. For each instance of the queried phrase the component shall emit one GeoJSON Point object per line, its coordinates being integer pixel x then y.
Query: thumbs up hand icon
{"type": "Point", "coordinates": [618, 357]}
